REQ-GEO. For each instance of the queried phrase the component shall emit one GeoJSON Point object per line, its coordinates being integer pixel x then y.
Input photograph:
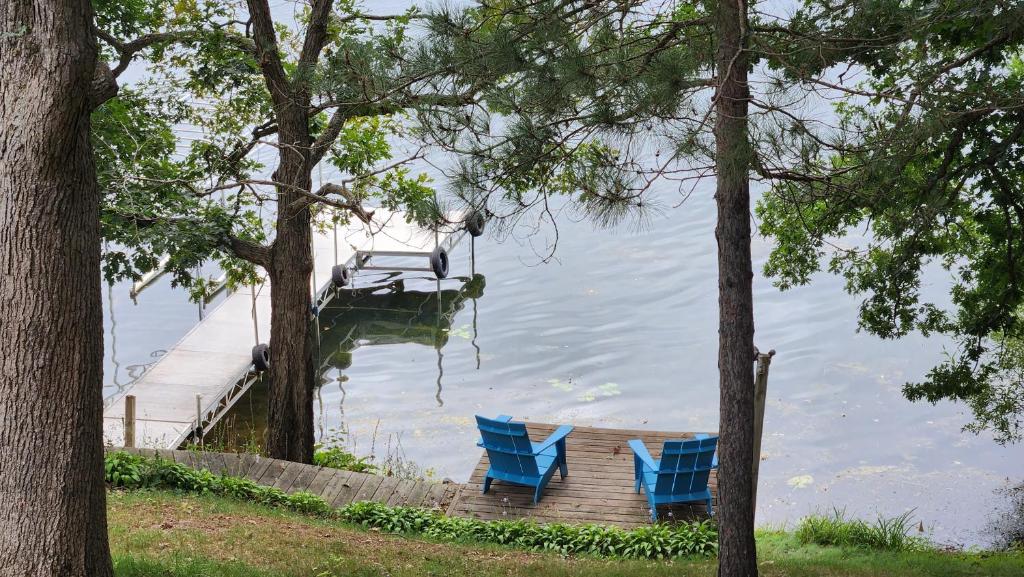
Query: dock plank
{"type": "Point", "coordinates": [416, 494]}
{"type": "Point", "coordinates": [271, 474]}
{"type": "Point", "coordinates": [336, 486]}
{"type": "Point", "coordinates": [434, 498]}
{"type": "Point", "coordinates": [319, 483]}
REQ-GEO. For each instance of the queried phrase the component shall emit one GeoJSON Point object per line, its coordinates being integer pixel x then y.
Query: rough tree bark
{"type": "Point", "coordinates": [737, 554]}
{"type": "Point", "coordinates": [290, 415]}
{"type": "Point", "coordinates": [52, 499]}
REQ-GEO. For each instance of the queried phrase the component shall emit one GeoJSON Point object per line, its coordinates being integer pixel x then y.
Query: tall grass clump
{"type": "Point", "coordinates": [885, 534]}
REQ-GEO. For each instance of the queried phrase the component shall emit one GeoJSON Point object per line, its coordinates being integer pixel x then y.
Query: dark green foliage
{"type": "Point", "coordinates": [924, 175]}
{"type": "Point", "coordinates": [574, 100]}
{"type": "Point", "coordinates": [836, 530]}
{"type": "Point", "coordinates": [124, 470]}
{"type": "Point", "coordinates": [649, 542]}
{"type": "Point", "coordinates": [339, 458]}
{"type": "Point", "coordinates": [176, 152]}
{"type": "Point", "coordinates": [149, 207]}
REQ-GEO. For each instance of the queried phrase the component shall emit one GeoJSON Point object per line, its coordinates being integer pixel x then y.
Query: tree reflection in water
{"type": "Point", "coordinates": [381, 314]}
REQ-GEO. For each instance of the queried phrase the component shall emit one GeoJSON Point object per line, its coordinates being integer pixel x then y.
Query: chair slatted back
{"type": "Point", "coordinates": [685, 466]}
{"type": "Point", "coordinates": [508, 446]}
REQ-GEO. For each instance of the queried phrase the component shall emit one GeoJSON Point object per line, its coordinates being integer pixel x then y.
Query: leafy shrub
{"type": "Point", "coordinates": [338, 458]}
{"type": "Point", "coordinates": [648, 542]}
{"type": "Point", "coordinates": [134, 471]}
{"type": "Point", "coordinates": [123, 470]}
{"type": "Point", "coordinates": [305, 502]}
{"type": "Point", "coordinates": [892, 534]}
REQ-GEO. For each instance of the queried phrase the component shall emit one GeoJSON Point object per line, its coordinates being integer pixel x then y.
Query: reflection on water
{"type": "Point", "coordinates": [379, 314]}
{"type": "Point", "coordinates": [621, 331]}
{"type": "Point", "coordinates": [388, 314]}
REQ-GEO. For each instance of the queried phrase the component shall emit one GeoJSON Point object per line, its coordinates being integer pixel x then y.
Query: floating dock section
{"type": "Point", "coordinates": [191, 387]}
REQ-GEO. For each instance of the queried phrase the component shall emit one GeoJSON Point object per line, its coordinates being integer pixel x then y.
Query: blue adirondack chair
{"type": "Point", "coordinates": [680, 475]}
{"type": "Point", "coordinates": [514, 459]}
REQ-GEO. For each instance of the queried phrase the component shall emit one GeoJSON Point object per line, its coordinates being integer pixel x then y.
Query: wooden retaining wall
{"type": "Point", "coordinates": [338, 488]}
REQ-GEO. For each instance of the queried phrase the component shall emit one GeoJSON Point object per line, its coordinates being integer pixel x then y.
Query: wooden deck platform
{"type": "Point", "coordinates": [598, 489]}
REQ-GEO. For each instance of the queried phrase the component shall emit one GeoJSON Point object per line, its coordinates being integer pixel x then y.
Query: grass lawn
{"type": "Point", "coordinates": [164, 534]}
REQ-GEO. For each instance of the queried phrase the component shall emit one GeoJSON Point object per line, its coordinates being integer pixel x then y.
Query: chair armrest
{"type": "Point", "coordinates": [641, 452]}
{"type": "Point", "coordinates": [559, 434]}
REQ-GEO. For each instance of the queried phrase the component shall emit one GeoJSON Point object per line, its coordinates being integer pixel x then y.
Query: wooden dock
{"type": "Point", "coordinates": [214, 360]}
{"type": "Point", "coordinates": [598, 489]}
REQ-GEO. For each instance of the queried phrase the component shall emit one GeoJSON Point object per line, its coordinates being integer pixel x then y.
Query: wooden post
{"type": "Point", "coordinates": [129, 421]}
{"type": "Point", "coordinates": [760, 393]}
{"type": "Point", "coordinates": [199, 419]}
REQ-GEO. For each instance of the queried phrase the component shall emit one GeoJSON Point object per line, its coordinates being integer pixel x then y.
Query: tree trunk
{"type": "Point", "coordinates": [292, 370]}
{"type": "Point", "coordinates": [52, 498]}
{"type": "Point", "coordinates": [737, 553]}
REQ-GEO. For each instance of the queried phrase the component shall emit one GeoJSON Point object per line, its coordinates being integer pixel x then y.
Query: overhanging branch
{"type": "Point", "coordinates": [253, 252]}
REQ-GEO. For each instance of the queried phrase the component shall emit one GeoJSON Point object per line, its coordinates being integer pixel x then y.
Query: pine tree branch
{"type": "Point", "coordinates": [351, 203]}
{"type": "Point", "coordinates": [328, 136]}
{"type": "Point", "coordinates": [266, 129]}
{"type": "Point", "coordinates": [380, 17]}
{"type": "Point", "coordinates": [345, 111]}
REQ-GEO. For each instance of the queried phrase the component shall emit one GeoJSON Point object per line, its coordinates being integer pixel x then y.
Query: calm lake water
{"type": "Point", "coordinates": [620, 330]}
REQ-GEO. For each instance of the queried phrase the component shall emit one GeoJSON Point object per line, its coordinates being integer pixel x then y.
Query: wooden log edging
{"type": "Point", "coordinates": [338, 488]}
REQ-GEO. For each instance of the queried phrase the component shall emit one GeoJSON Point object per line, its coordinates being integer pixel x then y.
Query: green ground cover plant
{"type": "Point", "coordinates": [661, 541]}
